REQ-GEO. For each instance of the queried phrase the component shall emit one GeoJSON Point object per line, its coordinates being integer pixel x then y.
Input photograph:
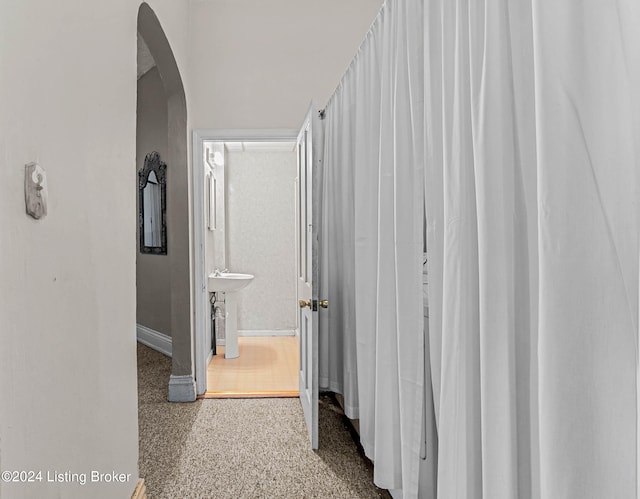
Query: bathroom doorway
{"type": "Point", "coordinates": [246, 185]}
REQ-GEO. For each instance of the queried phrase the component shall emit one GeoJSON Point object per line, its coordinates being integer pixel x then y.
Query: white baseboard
{"type": "Point", "coordinates": [153, 339]}
{"type": "Point", "coordinates": [266, 332]}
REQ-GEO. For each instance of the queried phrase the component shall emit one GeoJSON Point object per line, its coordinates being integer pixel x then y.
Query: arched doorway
{"type": "Point", "coordinates": [164, 280]}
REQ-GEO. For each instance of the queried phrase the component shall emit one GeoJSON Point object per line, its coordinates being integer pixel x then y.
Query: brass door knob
{"type": "Point", "coordinates": [324, 303]}
{"type": "Point", "coordinates": [304, 303]}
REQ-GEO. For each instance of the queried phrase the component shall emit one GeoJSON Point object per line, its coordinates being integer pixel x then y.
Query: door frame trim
{"type": "Point", "coordinates": [200, 294]}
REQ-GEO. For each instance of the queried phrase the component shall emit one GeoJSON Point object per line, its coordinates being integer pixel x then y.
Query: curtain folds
{"type": "Point", "coordinates": [531, 195]}
{"type": "Point", "coordinates": [372, 244]}
{"type": "Point", "coordinates": [587, 63]}
{"type": "Point", "coordinates": [515, 126]}
{"type": "Point", "coordinates": [480, 201]}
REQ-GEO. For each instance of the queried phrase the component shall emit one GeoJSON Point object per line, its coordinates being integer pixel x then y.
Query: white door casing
{"type": "Point", "coordinates": [202, 335]}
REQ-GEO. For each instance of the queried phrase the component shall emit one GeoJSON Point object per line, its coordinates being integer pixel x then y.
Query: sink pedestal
{"type": "Point", "coordinates": [231, 350]}
{"type": "Point", "coordinates": [229, 283]}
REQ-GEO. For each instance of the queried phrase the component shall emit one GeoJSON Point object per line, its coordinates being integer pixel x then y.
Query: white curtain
{"type": "Point", "coordinates": [528, 152]}
{"type": "Point", "coordinates": [587, 61]}
{"type": "Point", "coordinates": [532, 201]}
{"type": "Point", "coordinates": [481, 206]}
{"type": "Point", "coordinates": [372, 244]}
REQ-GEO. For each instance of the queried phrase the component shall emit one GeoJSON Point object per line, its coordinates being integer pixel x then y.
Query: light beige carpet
{"type": "Point", "coordinates": [249, 448]}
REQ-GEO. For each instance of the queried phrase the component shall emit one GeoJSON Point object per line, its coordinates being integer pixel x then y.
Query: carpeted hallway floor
{"type": "Point", "coordinates": [251, 448]}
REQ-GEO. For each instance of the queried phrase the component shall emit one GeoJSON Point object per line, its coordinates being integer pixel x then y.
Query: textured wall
{"type": "Point", "coordinates": [261, 236]}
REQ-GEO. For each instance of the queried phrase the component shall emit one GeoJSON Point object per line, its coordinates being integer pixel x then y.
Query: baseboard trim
{"type": "Point", "coordinates": [141, 490]}
{"type": "Point", "coordinates": [153, 339]}
{"type": "Point", "coordinates": [266, 332]}
{"type": "Point", "coordinates": [250, 395]}
{"type": "Point", "coordinates": [182, 388]}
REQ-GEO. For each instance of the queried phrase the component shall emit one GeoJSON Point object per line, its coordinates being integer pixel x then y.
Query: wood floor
{"type": "Point", "coordinates": [267, 367]}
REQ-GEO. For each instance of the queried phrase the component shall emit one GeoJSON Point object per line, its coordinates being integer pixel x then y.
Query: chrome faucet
{"type": "Point", "coordinates": [217, 271]}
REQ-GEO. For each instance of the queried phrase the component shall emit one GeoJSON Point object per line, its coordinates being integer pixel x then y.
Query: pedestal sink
{"type": "Point", "coordinates": [229, 283]}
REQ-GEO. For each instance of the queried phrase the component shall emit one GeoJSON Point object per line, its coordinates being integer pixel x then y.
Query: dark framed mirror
{"type": "Point", "coordinates": [152, 216]}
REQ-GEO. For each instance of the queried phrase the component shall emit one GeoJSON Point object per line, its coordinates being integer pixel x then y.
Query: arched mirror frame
{"type": "Point", "coordinates": [152, 163]}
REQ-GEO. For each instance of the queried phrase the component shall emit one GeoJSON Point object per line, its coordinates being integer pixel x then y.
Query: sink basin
{"type": "Point", "coordinates": [228, 282]}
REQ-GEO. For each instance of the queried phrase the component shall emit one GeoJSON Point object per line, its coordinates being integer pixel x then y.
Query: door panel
{"type": "Point", "coordinates": [307, 279]}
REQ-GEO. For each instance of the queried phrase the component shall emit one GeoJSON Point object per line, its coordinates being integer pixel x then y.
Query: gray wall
{"type": "Point", "coordinates": [153, 279]}
{"type": "Point", "coordinates": [68, 293]}
{"type": "Point", "coordinates": [68, 380]}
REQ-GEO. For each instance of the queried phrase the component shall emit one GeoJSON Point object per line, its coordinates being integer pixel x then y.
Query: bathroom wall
{"type": "Point", "coordinates": [153, 279]}
{"type": "Point", "coordinates": [261, 237]}
{"type": "Point", "coordinates": [257, 64]}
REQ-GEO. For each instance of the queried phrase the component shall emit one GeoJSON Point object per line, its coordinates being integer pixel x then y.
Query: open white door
{"type": "Point", "coordinates": [308, 274]}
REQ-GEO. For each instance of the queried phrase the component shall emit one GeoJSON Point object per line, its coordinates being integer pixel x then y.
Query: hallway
{"type": "Point", "coordinates": [198, 449]}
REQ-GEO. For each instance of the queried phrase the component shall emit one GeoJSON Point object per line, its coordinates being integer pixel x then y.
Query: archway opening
{"type": "Point", "coordinates": [164, 296]}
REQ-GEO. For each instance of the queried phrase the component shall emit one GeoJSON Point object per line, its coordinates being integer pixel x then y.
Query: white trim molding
{"type": "Point", "coordinates": [201, 294]}
{"type": "Point", "coordinates": [182, 388]}
{"type": "Point", "coordinates": [153, 339]}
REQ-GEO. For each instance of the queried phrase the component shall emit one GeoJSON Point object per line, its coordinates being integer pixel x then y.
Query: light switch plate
{"type": "Point", "coordinates": [35, 190]}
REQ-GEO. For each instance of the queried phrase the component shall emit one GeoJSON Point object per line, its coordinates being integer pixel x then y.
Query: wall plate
{"type": "Point", "coordinates": [35, 190]}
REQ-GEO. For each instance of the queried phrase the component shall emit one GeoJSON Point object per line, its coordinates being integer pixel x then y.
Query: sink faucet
{"type": "Point", "coordinates": [217, 271]}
